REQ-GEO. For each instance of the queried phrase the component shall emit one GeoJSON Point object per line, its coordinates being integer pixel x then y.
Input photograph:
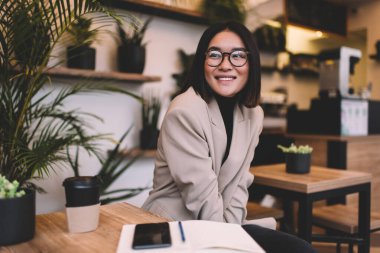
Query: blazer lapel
{"type": "Point", "coordinates": [231, 168]}
{"type": "Point", "coordinates": [218, 135]}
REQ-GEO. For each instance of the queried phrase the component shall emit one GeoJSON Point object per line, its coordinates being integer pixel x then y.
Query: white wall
{"type": "Point", "coordinates": [164, 37]}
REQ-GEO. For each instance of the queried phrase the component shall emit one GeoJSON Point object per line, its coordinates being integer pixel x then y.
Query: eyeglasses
{"type": "Point", "coordinates": [237, 58]}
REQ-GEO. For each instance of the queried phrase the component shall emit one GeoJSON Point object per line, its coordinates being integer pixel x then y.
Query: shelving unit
{"type": "Point", "coordinates": [161, 10]}
{"type": "Point", "coordinates": [63, 72]}
{"type": "Point", "coordinates": [129, 153]}
{"type": "Point", "coordinates": [374, 57]}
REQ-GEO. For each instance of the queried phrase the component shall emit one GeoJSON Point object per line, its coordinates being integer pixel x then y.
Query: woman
{"type": "Point", "coordinates": [208, 138]}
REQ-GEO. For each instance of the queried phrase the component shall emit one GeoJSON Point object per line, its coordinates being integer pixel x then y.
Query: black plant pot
{"type": "Point", "coordinates": [148, 138]}
{"type": "Point", "coordinates": [378, 48]}
{"type": "Point", "coordinates": [17, 219]}
{"type": "Point", "coordinates": [131, 58]}
{"type": "Point", "coordinates": [297, 163]}
{"type": "Point", "coordinates": [82, 57]}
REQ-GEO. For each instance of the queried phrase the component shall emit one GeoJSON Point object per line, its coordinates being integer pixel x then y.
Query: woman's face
{"type": "Point", "coordinates": [226, 79]}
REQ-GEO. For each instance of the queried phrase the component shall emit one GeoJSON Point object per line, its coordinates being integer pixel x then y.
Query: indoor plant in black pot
{"type": "Point", "coordinates": [219, 10]}
{"type": "Point", "coordinates": [131, 52]}
{"type": "Point", "coordinates": [186, 61]}
{"type": "Point", "coordinates": [149, 132]}
{"type": "Point", "coordinates": [17, 212]}
{"type": "Point", "coordinates": [80, 55]}
{"type": "Point", "coordinates": [297, 159]}
{"type": "Point", "coordinates": [35, 127]}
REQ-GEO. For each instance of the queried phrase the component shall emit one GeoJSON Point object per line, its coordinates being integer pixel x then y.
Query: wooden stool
{"type": "Point", "coordinates": [257, 211]}
{"type": "Point", "coordinates": [342, 218]}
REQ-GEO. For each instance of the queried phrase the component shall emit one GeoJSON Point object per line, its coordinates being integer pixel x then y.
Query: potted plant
{"type": "Point", "coordinates": [35, 128]}
{"type": "Point", "coordinates": [219, 10]}
{"type": "Point", "coordinates": [186, 61]}
{"type": "Point", "coordinates": [297, 159]}
{"type": "Point", "coordinates": [16, 213]}
{"type": "Point", "coordinates": [131, 51]}
{"type": "Point", "coordinates": [80, 55]}
{"type": "Point", "coordinates": [149, 133]}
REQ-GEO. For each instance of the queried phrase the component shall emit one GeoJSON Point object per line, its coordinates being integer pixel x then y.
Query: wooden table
{"type": "Point", "coordinates": [354, 153]}
{"type": "Point", "coordinates": [321, 183]}
{"type": "Point", "coordinates": [52, 236]}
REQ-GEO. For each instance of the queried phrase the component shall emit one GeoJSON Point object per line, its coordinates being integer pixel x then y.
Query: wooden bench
{"type": "Point", "coordinates": [257, 211]}
{"type": "Point", "coordinates": [342, 218]}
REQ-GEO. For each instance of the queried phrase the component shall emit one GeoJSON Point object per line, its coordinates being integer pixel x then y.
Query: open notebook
{"type": "Point", "coordinates": [201, 236]}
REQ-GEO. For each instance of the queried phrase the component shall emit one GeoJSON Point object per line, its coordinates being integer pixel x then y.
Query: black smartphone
{"type": "Point", "coordinates": [151, 235]}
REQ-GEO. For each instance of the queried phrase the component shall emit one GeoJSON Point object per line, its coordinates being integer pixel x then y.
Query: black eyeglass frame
{"type": "Point", "coordinates": [229, 57]}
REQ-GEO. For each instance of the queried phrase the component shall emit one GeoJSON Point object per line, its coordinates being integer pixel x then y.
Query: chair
{"type": "Point", "coordinates": [258, 213]}
{"type": "Point", "coordinates": [342, 219]}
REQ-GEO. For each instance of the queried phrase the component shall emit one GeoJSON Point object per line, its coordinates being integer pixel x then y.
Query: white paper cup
{"type": "Point", "coordinates": [82, 219]}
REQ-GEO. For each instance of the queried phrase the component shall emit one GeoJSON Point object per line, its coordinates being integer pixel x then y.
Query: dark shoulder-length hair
{"type": "Point", "coordinates": [250, 94]}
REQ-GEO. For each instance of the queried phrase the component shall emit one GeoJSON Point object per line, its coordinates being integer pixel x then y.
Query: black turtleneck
{"type": "Point", "coordinates": [226, 107]}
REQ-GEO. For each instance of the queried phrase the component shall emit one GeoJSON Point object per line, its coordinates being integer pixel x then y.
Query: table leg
{"type": "Point", "coordinates": [305, 212]}
{"type": "Point", "coordinates": [288, 222]}
{"type": "Point", "coordinates": [364, 218]}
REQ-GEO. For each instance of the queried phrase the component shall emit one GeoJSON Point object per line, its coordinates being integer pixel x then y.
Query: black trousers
{"type": "Point", "coordinates": [273, 241]}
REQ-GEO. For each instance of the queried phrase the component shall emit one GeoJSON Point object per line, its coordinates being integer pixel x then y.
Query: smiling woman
{"type": "Point", "coordinates": [208, 138]}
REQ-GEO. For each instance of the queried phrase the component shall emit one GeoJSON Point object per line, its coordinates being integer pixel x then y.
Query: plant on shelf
{"type": "Point", "coordinates": [80, 54]}
{"type": "Point", "coordinates": [35, 127]}
{"type": "Point", "coordinates": [186, 61]}
{"type": "Point", "coordinates": [219, 10]}
{"type": "Point", "coordinates": [131, 51]}
{"type": "Point", "coordinates": [150, 113]}
{"type": "Point", "coordinates": [297, 159]}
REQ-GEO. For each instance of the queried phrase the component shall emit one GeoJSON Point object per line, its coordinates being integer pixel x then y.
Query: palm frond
{"type": "Point", "coordinates": [35, 130]}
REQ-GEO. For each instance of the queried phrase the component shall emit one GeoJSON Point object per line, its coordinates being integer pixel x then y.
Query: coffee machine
{"type": "Point", "coordinates": [338, 110]}
{"type": "Point", "coordinates": [335, 69]}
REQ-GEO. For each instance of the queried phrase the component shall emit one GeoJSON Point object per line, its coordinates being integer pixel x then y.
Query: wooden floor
{"type": "Point", "coordinates": [330, 248]}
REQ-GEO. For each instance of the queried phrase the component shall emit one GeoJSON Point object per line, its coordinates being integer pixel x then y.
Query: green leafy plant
{"type": "Point", "coordinates": [81, 33]}
{"type": "Point", "coordinates": [112, 167]}
{"type": "Point", "coordinates": [135, 35]}
{"type": "Point", "coordinates": [306, 149]}
{"type": "Point", "coordinates": [10, 190]}
{"type": "Point", "coordinates": [35, 128]}
{"type": "Point", "coordinates": [186, 61]}
{"type": "Point", "coordinates": [35, 30]}
{"type": "Point", "coordinates": [150, 112]}
{"type": "Point", "coordinates": [219, 10]}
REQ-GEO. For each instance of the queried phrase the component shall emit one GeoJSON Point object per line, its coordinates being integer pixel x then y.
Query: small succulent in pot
{"type": "Point", "coordinates": [302, 149]}
{"type": "Point", "coordinates": [10, 190]}
{"type": "Point", "coordinates": [298, 159]}
{"type": "Point", "coordinates": [17, 212]}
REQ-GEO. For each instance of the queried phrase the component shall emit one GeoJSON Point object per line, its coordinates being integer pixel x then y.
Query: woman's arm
{"type": "Point", "coordinates": [187, 154]}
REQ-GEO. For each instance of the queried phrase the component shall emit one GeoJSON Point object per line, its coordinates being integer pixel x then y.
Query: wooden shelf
{"type": "Point", "coordinates": [103, 75]}
{"type": "Point", "coordinates": [129, 153]}
{"type": "Point", "coordinates": [161, 10]}
{"type": "Point", "coordinates": [299, 72]}
{"type": "Point", "coordinates": [374, 57]}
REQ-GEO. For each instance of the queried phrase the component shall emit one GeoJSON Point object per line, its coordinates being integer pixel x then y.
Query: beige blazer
{"type": "Point", "coordinates": [190, 181]}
